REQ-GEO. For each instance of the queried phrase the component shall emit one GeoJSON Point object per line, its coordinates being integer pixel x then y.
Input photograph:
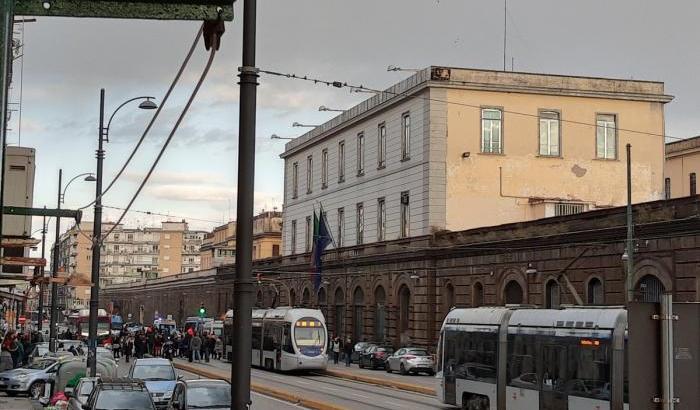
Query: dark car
{"type": "Point", "coordinates": [201, 394]}
{"type": "Point", "coordinates": [375, 357]}
{"type": "Point", "coordinates": [358, 349]}
{"type": "Point", "coordinates": [119, 394]}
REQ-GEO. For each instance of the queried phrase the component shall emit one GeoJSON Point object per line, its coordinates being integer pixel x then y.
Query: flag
{"type": "Point", "coordinates": [321, 239]}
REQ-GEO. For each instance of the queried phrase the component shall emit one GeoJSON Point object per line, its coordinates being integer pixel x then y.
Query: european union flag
{"type": "Point", "coordinates": [322, 238]}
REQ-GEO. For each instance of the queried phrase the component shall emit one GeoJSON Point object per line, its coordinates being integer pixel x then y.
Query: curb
{"type": "Point", "coordinates": [381, 382]}
{"type": "Point", "coordinates": [265, 390]}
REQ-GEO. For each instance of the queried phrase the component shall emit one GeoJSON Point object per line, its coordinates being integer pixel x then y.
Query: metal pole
{"type": "Point", "coordinates": [630, 229]}
{"type": "Point", "coordinates": [96, 245]}
{"type": "Point", "coordinates": [243, 283]}
{"type": "Point", "coordinates": [54, 272]}
{"type": "Point", "coordinates": [6, 25]}
{"type": "Point", "coordinates": [667, 318]}
{"type": "Point", "coordinates": [505, 31]}
{"type": "Point", "coordinates": [40, 309]}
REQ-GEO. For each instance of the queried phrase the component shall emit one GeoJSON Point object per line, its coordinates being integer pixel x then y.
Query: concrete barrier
{"type": "Point", "coordinates": [261, 389]}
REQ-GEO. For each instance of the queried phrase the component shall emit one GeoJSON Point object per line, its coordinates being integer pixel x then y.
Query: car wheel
{"type": "Point", "coordinates": [431, 373]}
{"type": "Point", "coordinates": [360, 364]}
{"type": "Point", "coordinates": [402, 370]}
{"type": "Point", "coordinates": [36, 390]}
{"type": "Point", "coordinates": [387, 367]}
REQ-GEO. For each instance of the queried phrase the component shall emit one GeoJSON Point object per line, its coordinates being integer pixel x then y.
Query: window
{"type": "Point", "coordinates": [667, 188]}
{"type": "Point", "coordinates": [341, 161]}
{"type": "Point", "coordinates": [491, 131]}
{"type": "Point", "coordinates": [405, 215]}
{"type": "Point", "coordinates": [405, 136]}
{"type": "Point", "coordinates": [295, 180]}
{"type": "Point", "coordinates": [564, 208]}
{"type": "Point", "coordinates": [309, 173]}
{"type": "Point", "coordinates": [275, 250]}
{"type": "Point", "coordinates": [381, 146]}
{"type": "Point", "coordinates": [324, 169]}
{"type": "Point", "coordinates": [116, 236]}
{"type": "Point", "coordinates": [341, 226]}
{"type": "Point", "coordinates": [606, 138]}
{"type": "Point", "coordinates": [360, 154]}
{"type": "Point", "coordinates": [595, 292]}
{"type": "Point", "coordinates": [549, 133]}
{"type": "Point", "coordinates": [294, 237]}
{"type": "Point", "coordinates": [381, 219]}
{"type": "Point", "coordinates": [130, 237]}
{"type": "Point", "coordinates": [693, 184]}
{"type": "Point", "coordinates": [308, 236]}
{"type": "Point", "coordinates": [360, 223]}
{"type": "Point", "coordinates": [552, 295]}
{"type": "Point", "coordinates": [116, 248]}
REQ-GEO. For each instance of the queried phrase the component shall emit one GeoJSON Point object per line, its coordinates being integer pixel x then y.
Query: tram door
{"type": "Point", "coordinates": [449, 368]}
{"type": "Point", "coordinates": [553, 394]}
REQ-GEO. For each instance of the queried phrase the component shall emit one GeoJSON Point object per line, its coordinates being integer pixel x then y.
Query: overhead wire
{"type": "Point", "coordinates": [408, 93]}
{"type": "Point", "coordinates": [189, 218]}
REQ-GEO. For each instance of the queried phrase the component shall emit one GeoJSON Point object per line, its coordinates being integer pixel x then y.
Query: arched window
{"type": "Point", "coordinates": [305, 298]}
{"type": "Point", "coordinates": [513, 293]}
{"type": "Point", "coordinates": [339, 322]}
{"type": "Point", "coordinates": [292, 297]}
{"type": "Point", "coordinates": [595, 292]}
{"type": "Point", "coordinates": [478, 294]}
{"type": "Point", "coordinates": [259, 299]}
{"type": "Point", "coordinates": [404, 315]}
{"type": "Point", "coordinates": [448, 300]}
{"type": "Point", "coordinates": [358, 302]}
{"type": "Point", "coordinates": [649, 289]}
{"type": "Point", "coordinates": [323, 302]}
{"type": "Point", "coordinates": [552, 295]}
{"type": "Point", "coordinates": [380, 319]}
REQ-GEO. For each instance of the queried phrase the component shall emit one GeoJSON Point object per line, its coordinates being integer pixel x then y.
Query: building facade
{"type": "Point", "coordinates": [128, 254]}
{"type": "Point", "coordinates": [682, 168]}
{"type": "Point", "coordinates": [219, 246]}
{"type": "Point", "coordinates": [453, 149]}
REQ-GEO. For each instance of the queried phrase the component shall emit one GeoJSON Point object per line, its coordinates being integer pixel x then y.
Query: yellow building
{"type": "Point", "coordinates": [682, 167]}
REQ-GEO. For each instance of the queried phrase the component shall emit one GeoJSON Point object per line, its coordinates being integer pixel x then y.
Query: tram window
{"type": "Point", "coordinates": [287, 345]}
{"type": "Point", "coordinates": [271, 335]}
{"type": "Point", "coordinates": [522, 359]}
{"type": "Point", "coordinates": [472, 355]}
{"type": "Point", "coordinates": [589, 368]}
{"type": "Point", "coordinates": [257, 337]}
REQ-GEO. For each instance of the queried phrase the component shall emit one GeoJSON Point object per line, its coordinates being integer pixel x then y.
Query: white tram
{"type": "Point", "coordinates": [517, 358]}
{"type": "Point", "coordinates": [284, 338]}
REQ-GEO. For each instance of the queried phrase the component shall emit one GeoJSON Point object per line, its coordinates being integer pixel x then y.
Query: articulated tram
{"type": "Point", "coordinates": [284, 339]}
{"type": "Point", "coordinates": [516, 358]}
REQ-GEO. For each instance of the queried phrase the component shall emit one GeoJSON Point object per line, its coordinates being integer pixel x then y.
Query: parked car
{"type": "Point", "coordinates": [42, 349]}
{"type": "Point", "coordinates": [411, 360]}
{"type": "Point", "coordinates": [159, 376]}
{"type": "Point", "coordinates": [119, 394]}
{"type": "Point", "coordinates": [201, 394]}
{"type": "Point", "coordinates": [358, 349]}
{"type": "Point", "coordinates": [374, 357]}
{"type": "Point", "coordinates": [29, 379]}
{"type": "Point", "coordinates": [79, 396]}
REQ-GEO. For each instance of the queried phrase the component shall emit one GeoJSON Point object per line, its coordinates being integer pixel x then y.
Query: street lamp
{"type": "Point", "coordinates": [296, 124]}
{"type": "Point", "coordinates": [395, 68]}
{"type": "Point", "coordinates": [277, 137]}
{"type": "Point", "coordinates": [54, 261]}
{"type": "Point", "coordinates": [89, 177]}
{"type": "Point", "coordinates": [324, 108]}
{"type": "Point", "coordinates": [102, 137]}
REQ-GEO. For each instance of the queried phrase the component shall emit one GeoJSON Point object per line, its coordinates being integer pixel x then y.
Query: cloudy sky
{"type": "Point", "coordinates": [67, 61]}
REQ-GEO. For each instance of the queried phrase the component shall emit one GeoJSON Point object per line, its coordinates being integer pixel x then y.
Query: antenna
{"type": "Point", "coordinates": [505, 31]}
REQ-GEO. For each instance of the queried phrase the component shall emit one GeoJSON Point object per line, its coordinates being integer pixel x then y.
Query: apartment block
{"type": "Point", "coordinates": [682, 168]}
{"type": "Point", "coordinates": [454, 149]}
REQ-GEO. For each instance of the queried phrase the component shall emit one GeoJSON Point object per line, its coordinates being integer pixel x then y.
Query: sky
{"type": "Point", "coordinates": [66, 61]}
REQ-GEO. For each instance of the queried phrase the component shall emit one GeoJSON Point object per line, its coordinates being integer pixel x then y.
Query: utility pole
{"type": "Point", "coordinates": [630, 229]}
{"type": "Point", "coordinates": [40, 309]}
{"type": "Point", "coordinates": [243, 283]}
{"type": "Point", "coordinates": [505, 31]}
{"type": "Point", "coordinates": [54, 272]}
{"type": "Point", "coordinates": [6, 25]}
{"type": "Point", "coordinates": [96, 245]}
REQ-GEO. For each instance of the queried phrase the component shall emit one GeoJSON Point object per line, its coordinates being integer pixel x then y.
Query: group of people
{"type": "Point", "coordinates": [15, 348]}
{"type": "Point", "coordinates": [338, 346]}
{"type": "Point", "coordinates": [195, 347]}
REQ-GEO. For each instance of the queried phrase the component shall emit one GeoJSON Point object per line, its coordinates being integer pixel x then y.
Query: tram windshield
{"type": "Point", "coordinates": [310, 336]}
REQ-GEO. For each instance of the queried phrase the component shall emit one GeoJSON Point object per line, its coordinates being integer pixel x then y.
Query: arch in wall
{"type": "Point", "coordinates": [595, 293]}
{"type": "Point", "coordinates": [292, 297]}
{"type": "Point", "coordinates": [339, 311]}
{"type": "Point", "coordinates": [380, 314]}
{"type": "Point", "coordinates": [477, 294]}
{"type": "Point", "coordinates": [513, 287]}
{"type": "Point", "coordinates": [358, 305]}
{"type": "Point", "coordinates": [552, 294]}
{"type": "Point", "coordinates": [513, 293]}
{"type": "Point", "coordinates": [404, 318]}
{"type": "Point", "coordinates": [448, 298]}
{"type": "Point", "coordinates": [651, 267]}
{"type": "Point", "coordinates": [306, 297]}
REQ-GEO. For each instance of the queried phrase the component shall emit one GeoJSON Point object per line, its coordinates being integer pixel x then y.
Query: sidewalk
{"type": "Point", "coordinates": [18, 403]}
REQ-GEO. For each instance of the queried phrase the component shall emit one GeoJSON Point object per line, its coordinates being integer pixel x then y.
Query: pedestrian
{"type": "Point", "coordinates": [196, 348]}
{"type": "Point", "coordinates": [127, 346]}
{"type": "Point", "coordinates": [348, 348]}
{"type": "Point", "coordinates": [116, 346]}
{"type": "Point", "coordinates": [157, 344]}
{"type": "Point", "coordinates": [219, 348]}
{"type": "Point", "coordinates": [11, 345]}
{"type": "Point", "coordinates": [211, 345]}
{"type": "Point", "coordinates": [336, 349]}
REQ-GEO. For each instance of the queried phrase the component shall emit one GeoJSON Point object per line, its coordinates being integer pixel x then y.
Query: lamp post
{"type": "Point", "coordinates": [277, 137]}
{"type": "Point", "coordinates": [102, 136]}
{"type": "Point", "coordinates": [324, 108]}
{"type": "Point", "coordinates": [297, 124]}
{"type": "Point", "coordinates": [40, 309]}
{"type": "Point", "coordinates": [54, 261]}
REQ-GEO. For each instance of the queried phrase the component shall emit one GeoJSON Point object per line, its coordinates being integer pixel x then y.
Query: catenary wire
{"type": "Point", "coordinates": [155, 115]}
{"type": "Point", "coordinates": [165, 145]}
{"type": "Point", "coordinates": [362, 88]}
{"type": "Point", "coordinates": [189, 218]}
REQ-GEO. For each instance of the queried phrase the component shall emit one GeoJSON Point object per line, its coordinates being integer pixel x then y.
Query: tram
{"type": "Point", "coordinates": [284, 339]}
{"type": "Point", "coordinates": [518, 358]}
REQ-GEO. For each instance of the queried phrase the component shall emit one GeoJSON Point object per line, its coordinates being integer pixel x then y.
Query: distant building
{"type": "Point", "coordinates": [682, 168]}
{"type": "Point", "coordinates": [219, 246]}
{"type": "Point", "coordinates": [454, 149]}
{"type": "Point", "coordinates": [129, 254]}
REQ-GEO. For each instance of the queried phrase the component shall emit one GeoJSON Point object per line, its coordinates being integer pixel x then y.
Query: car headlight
{"type": "Point", "coordinates": [167, 394]}
{"type": "Point", "coordinates": [22, 377]}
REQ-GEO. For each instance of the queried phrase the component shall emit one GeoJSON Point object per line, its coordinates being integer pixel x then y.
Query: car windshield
{"type": "Point", "coordinates": [201, 397]}
{"type": "Point", "coordinates": [153, 372]}
{"type": "Point", "coordinates": [385, 349]}
{"type": "Point", "coordinates": [86, 388]}
{"type": "Point", "coordinates": [310, 336]}
{"type": "Point", "coordinates": [103, 326]}
{"type": "Point", "coordinates": [123, 400]}
{"type": "Point", "coordinates": [417, 352]}
{"type": "Point", "coordinates": [41, 364]}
